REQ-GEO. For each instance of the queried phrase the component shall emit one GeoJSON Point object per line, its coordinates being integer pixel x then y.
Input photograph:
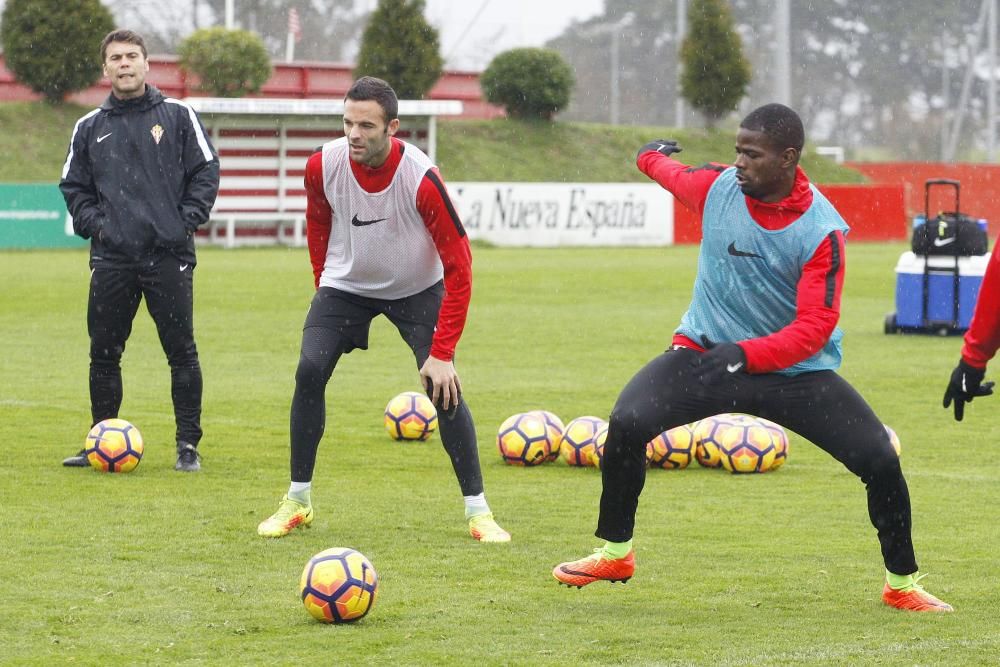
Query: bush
{"type": "Point", "coordinates": [228, 63]}
{"type": "Point", "coordinates": [529, 83]}
{"type": "Point", "coordinates": [53, 46]}
{"type": "Point", "coordinates": [398, 45]}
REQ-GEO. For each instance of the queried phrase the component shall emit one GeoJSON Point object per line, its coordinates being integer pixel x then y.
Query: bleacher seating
{"type": "Point", "coordinates": [261, 195]}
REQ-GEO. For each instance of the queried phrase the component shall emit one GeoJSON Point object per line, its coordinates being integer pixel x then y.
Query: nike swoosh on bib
{"type": "Point", "coordinates": [363, 223]}
{"type": "Point", "coordinates": [739, 253]}
{"type": "Point", "coordinates": [941, 242]}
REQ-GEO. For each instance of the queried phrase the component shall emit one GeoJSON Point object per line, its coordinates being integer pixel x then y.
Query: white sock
{"type": "Point", "coordinates": [475, 505]}
{"type": "Point", "coordinates": [300, 492]}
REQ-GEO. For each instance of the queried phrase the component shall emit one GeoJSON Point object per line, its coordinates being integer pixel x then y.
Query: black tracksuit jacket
{"type": "Point", "coordinates": [140, 176]}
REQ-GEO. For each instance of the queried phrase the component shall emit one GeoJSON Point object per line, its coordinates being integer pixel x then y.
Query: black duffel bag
{"type": "Point", "coordinates": [950, 234]}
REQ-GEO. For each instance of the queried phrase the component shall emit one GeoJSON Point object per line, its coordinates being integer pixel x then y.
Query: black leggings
{"type": "Point", "coordinates": [338, 323]}
{"type": "Point", "coordinates": [167, 286]}
{"type": "Point", "coordinates": [821, 407]}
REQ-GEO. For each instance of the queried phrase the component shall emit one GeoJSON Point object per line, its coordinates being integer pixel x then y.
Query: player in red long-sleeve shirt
{"type": "Point", "coordinates": [384, 239]}
{"type": "Point", "coordinates": [981, 343]}
{"type": "Point", "coordinates": [760, 336]}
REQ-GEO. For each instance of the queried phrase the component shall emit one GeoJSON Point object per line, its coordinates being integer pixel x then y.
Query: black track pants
{"type": "Point", "coordinates": [337, 323]}
{"type": "Point", "coordinates": [821, 407]}
{"type": "Point", "coordinates": [166, 284]}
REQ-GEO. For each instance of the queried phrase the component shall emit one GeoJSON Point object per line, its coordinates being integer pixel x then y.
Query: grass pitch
{"type": "Point", "coordinates": [157, 567]}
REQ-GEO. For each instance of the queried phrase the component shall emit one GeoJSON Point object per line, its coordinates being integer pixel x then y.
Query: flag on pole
{"type": "Point", "coordinates": [294, 34]}
{"type": "Point", "coordinates": [294, 27]}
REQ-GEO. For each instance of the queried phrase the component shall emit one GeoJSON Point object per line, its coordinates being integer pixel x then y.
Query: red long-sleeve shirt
{"type": "Point", "coordinates": [983, 337]}
{"type": "Point", "coordinates": [443, 224]}
{"type": "Point", "coordinates": [817, 307]}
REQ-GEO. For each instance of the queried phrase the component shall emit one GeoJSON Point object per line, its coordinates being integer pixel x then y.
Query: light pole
{"type": "Point", "coordinates": [991, 86]}
{"type": "Point", "coordinates": [615, 95]}
{"type": "Point", "coordinates": [681, 30]}
{"type": "Point", "coordinates": [614, 85]}
{"type": "Point", "coordinates": [782, 52]}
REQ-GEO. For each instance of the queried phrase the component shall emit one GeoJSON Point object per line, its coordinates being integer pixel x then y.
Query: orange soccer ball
{"type": "Point", "coordinates": [338, 585]}
{"type": "Point", "coordinates": [579, 439]}
{"type": "Point", "coordinates": [114, 445]}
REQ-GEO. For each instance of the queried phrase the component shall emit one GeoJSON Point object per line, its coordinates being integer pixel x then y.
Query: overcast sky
{"type": "Point", "coordinates": [473, 31]}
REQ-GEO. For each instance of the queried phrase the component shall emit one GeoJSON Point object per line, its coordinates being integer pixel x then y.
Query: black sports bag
{"type": "Point", "coordinates": [950, 234]}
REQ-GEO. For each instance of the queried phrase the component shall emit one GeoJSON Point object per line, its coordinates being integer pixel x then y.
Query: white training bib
{"type": "Point", "coordinates": [379, 245]}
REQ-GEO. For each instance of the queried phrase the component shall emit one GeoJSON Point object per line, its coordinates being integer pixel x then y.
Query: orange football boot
{"type": "Point", "coordinates": [913, 598]}
{"type": "Point", "coordinates": [595, 567]}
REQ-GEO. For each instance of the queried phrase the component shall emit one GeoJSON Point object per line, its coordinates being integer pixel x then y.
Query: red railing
{"type": "Point", "coordinates": [299, 80]}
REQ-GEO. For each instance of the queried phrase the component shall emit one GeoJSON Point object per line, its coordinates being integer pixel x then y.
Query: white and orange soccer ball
{"type": "Point", "coordinates": [410, 416]}
{"type": "Point", "coordinates": [674, 448]}
{"type": "Point", "coordinates": [894, 440]}
{"type": "Point", "coordinates": [114, 445]}
{"type": "Point", "coordinates": [577, 445]}
{"type": "Point", "coordinates": [743, 443]}
{"type": "Point", "coordinates": [523, 439]}
{"type": "Point", "coordinates": [338, 585]}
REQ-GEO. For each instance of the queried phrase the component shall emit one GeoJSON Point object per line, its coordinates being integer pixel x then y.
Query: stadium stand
{"type": "Point", "coordinates": [263, 146]}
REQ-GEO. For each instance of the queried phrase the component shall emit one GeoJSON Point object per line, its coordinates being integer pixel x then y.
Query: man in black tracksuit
{"type": "Point", "coordinates": [140, 177]}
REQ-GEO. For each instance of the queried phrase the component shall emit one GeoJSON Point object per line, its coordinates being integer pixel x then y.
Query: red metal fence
{"type": "Point", "coordinates": [300, 80]}
{"type": "Point", "coordinates": [980, 186]}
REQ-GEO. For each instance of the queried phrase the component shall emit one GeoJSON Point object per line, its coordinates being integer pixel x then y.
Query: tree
{"type": "Point", "coordinates": [229, 63]}
{"type": "Point", "coordinates": [398, 45]}
{"type": "Point", "coordinates": [716, 74]}
{"type": "Point", "coordinates": [52, 46]}
{"type": "Point", "coordinates": [529, 83]}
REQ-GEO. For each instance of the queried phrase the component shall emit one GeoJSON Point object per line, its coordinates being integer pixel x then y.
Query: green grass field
{"type": "Point", "coordinates": [156, 567]}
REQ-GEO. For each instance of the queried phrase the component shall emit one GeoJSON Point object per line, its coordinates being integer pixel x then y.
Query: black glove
{"type": "Point", "coordinates": [665, 146]}
{"type": "Point", "coordinates": [966, 383]}
{"type": "Point", "coordinates": [719, 361]}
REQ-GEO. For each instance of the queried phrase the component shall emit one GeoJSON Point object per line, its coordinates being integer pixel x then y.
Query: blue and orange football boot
{"type": "Point", "coordinates": [913, 598]}
{"type": "Point", "coordinates": [595, 567]}
{"type": "Point", "coordinates": [290, 515]}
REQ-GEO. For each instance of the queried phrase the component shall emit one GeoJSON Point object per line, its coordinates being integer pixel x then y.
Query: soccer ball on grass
{"type": "Point", "coordinates": [114, 445]}
{"type": "Point", "coordinates": [338, 585]}
{"type": "Point", "coordinates": [577, 444]}
{"type": "Point", "coordinates": [597, 456]}
{"type": "Point", "coordinates": [555, 428]}
{"type": "Point", "coordinates": [743, 443]}
{"type": "Point", "coordinates": [523, 439]}
{"type": "Point", "coordinates": [410, 416]}
{"type": "Point", "coordinates": [674, 448]}
{"type": "Point", "coordinates": [780, 437]}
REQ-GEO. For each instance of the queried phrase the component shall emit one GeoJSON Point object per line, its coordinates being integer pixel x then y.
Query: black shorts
{"type": "Point", "coordinates": [351, 315]}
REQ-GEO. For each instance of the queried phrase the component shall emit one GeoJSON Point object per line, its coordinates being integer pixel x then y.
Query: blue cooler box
{"type": "Point", "coordinates": [940, 289]}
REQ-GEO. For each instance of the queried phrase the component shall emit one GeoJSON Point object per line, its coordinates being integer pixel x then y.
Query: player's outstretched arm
{"type": "Point", "coordinates": [689, 185]}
